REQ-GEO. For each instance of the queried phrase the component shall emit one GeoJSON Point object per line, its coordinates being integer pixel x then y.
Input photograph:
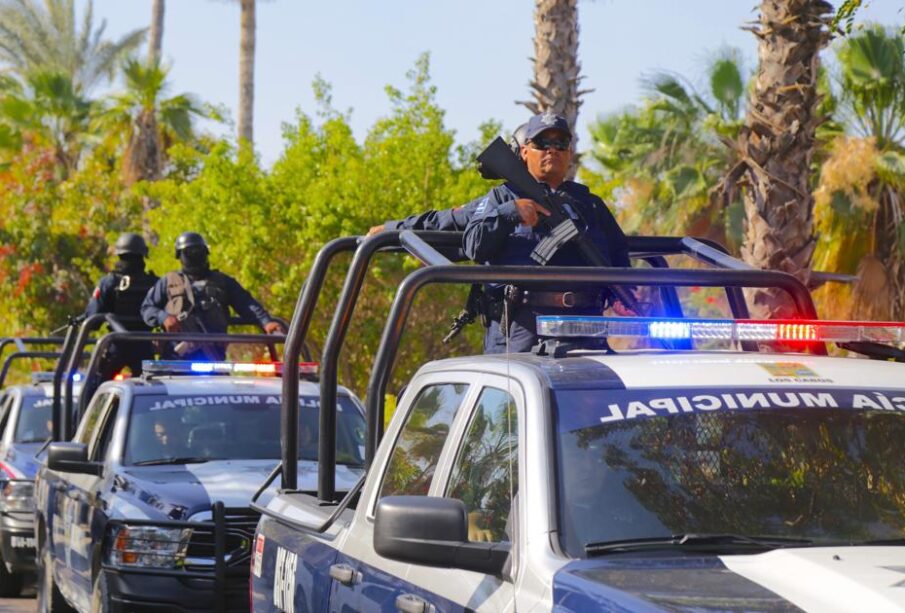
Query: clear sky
{"type": "Point", "coordinates": [480, 52]}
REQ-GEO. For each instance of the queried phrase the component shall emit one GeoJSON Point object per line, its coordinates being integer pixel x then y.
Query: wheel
{"type": "Point", "coordinates": [50, 600]}
{"type": "Point", "coordinates": [100, 598]}
{"type": "Point", "coordinates": [10, 583]}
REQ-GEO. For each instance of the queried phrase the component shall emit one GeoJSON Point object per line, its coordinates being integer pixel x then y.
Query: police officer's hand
{"type": "Point", "coordinates": [375, 230]}
{"type": "Point", "coordinates": [530, 211]}
{"type": "Point", "coordinates": [623, 311]}
{"type": "Point", "coordinates": [171, 324]}
{"type": "Point", "coordinates": [274, 327]}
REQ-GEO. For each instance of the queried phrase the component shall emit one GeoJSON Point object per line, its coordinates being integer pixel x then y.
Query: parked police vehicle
{"type": "Point", "coordinates": [578, 478]}
{"type": "Point", "coordinates": [25, 415]}
{"type": "Point", "coordinates": [147, 508]}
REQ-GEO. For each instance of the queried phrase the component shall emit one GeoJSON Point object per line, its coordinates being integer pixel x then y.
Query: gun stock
{"type": "Point", "coordinates": [500, 159]}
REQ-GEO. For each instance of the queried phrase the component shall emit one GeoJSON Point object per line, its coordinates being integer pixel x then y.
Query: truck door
{"type": "Point", "coordinates": [358, 583]}
{"type": "Point", "coordinates": [82, 496]}
{"type": "Point", "coordinates": [484, 475]}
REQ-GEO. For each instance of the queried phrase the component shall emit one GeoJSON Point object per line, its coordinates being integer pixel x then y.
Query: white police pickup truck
{"type": "Point", "coordinates": [148, 507]}
{"type": "Point", "coordinates": [648, 480]}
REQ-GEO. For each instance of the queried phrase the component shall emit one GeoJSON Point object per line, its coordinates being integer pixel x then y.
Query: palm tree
{"type": "Point", "coordinates": [776, 145]}
{"type": "Point", "coordinates": [859, 199]}
{"type": "Point", "coordinates": [247, 73]}
{"type": "Point", "coordinates": [661, 163]}
{"type": "Point", "coordinates": [155, 40]}
{"type": "Point", "coordinates": [46, 110]}
{"type": "Point", "coordinates": [45, 37]}
{"type": "Point", "coordinates": [150, 122]}
{"type": "Point", "coordinates": [556, 67]}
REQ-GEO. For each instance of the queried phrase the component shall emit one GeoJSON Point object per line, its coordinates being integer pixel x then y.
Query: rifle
{"type": "Point", "coordinates": [501, 161]}
{"type": "Point", "coordinates": [72, 320]}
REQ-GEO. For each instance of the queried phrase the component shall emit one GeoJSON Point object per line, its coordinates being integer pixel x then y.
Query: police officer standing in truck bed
{"type": "Point", "coordinates": [121, 293]}
{"type": "Point", "coordinates": [198, 299]}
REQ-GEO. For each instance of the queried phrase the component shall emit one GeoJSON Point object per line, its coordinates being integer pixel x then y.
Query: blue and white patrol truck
{"type": "Point", "coordinates": [648, 480]}
{"type": "Point", "coordinates": [707, 465]}
{"type": "Point", "coordinates": [147, 508]}
{"type": "Point", "coordinates": [24, 429]}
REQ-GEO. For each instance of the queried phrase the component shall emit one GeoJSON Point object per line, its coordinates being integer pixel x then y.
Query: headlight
{"type": "Point", "coordinates": [18, 496]}
{"type": "Point", "coordinates": [147, 546]}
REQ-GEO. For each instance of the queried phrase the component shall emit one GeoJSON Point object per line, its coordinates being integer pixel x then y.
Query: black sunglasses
{"type": "Point", "coordinates": [542, 144]}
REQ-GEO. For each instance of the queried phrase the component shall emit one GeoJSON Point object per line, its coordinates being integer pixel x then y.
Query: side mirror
{"type": "Point", "coordinates": [433, 532]}
{"type": "Point", "coordinates": [72, 458]}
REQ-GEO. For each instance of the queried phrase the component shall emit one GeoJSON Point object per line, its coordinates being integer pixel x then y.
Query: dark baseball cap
{"type": "Point", "coordinates": [546, 121]}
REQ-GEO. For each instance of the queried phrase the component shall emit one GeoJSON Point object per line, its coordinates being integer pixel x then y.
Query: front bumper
{"type": "Point", "coordinates": [17, 541]}
{"type": "Point", "coordinates": [142, 590]}
{"type": "Point", "coordinates": [214, 578]}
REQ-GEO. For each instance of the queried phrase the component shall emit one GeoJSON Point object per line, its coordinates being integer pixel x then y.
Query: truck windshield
{"type": "Point", "coordinates": [820, 465]}
{"type": "Point", "coordinates": [232, 426]}
{"type": "Point", "coordinates": [34, 420]}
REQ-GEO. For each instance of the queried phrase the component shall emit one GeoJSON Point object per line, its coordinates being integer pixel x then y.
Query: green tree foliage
{"type": "Point", "coordinates": [45, 109]}
{"type": "Point", "coordinates": [661, 164]}
{"type": "Point", "coordinates": [266, 227]}
{"type": "Point", "coordinates": [145, 121]}
{"type": "Point", "coordinates": [859, 198]}
{"type": "Point", "coordinates": [54, 234]}
{"type": "Point", "coordinates": [45, 36]}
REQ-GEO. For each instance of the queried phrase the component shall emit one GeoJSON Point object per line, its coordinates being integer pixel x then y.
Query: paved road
{"type": "Point", "coordinates": [26, 603]}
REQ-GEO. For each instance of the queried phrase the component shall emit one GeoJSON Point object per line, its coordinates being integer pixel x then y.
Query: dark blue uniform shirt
{"type": "Point", "coordinates": [496, 235]}
{"type": "Point", "coordinates": [448, 220]}
{"type": "Point", "coordinates": [236, 296]}
{"type": "Point", "coordinates": [125, 304]}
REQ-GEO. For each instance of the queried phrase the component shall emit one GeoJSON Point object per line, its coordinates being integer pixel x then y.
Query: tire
{"type": "Point", "coordinates": [100, 596]}
{"type": "Point", "coordinates": [50, 600]}
{"type": "Point", "coordinates": [10, 583]}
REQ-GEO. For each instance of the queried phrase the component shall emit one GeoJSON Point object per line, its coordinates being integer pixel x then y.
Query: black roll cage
{"type": "Point", "coordinates": [65, 419]}
{"type": "Point", "coordinates": [731, 274]}
{"type": "Point", "coordinates": [23, 352]}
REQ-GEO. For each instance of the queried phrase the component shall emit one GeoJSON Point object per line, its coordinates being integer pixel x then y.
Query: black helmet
{"type": "Point", "coordinates": [190, 239]}
{"type": "Point", "coordinates": [131, 243]}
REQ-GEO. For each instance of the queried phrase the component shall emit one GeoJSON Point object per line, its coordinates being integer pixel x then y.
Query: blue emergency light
{"type": "Point", "coordinates": [784, 330]}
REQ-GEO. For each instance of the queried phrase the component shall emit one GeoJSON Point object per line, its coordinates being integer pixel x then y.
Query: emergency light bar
{"type": "Point", "coordinates": [182, 367]}
{"type": "Point", "coordinates": [784, 330]}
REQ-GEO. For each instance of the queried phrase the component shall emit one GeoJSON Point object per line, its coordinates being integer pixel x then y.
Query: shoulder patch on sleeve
{"type": "Point", "coordinates": [482, 206]}
{"type": "Point", "coordinates": [96, 294]}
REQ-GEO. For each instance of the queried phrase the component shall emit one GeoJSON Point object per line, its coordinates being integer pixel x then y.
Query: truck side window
{"type": "Point", "coordinates": [485, 474]}
{"type": "Point", "coordinates": [417, 450]}
{"type": "Point", "coordinates": [101, 443]}
{"type": "Point", "coordinates": [92, 416]}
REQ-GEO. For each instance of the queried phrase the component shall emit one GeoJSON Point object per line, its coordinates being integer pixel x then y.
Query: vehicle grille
{"type": "Point", "coordinates": [240, 533]}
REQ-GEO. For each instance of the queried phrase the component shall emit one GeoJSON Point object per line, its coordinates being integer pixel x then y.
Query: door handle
{"type": "Point", "coordinates": [343, 573]}
{"type": "Point", "coordinates": [409, 603]}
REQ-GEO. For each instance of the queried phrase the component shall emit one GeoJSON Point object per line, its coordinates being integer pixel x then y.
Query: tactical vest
{"type": "Point", "coordinates": [129, 292]}
{"type": "Point", "coordinates": [206, 299]}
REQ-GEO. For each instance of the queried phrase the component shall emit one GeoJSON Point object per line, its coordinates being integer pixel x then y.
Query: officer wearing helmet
{"type": "Point", "coordinates": [198, 299]}
{"type": "Point", "coordinates": [121, 293]}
